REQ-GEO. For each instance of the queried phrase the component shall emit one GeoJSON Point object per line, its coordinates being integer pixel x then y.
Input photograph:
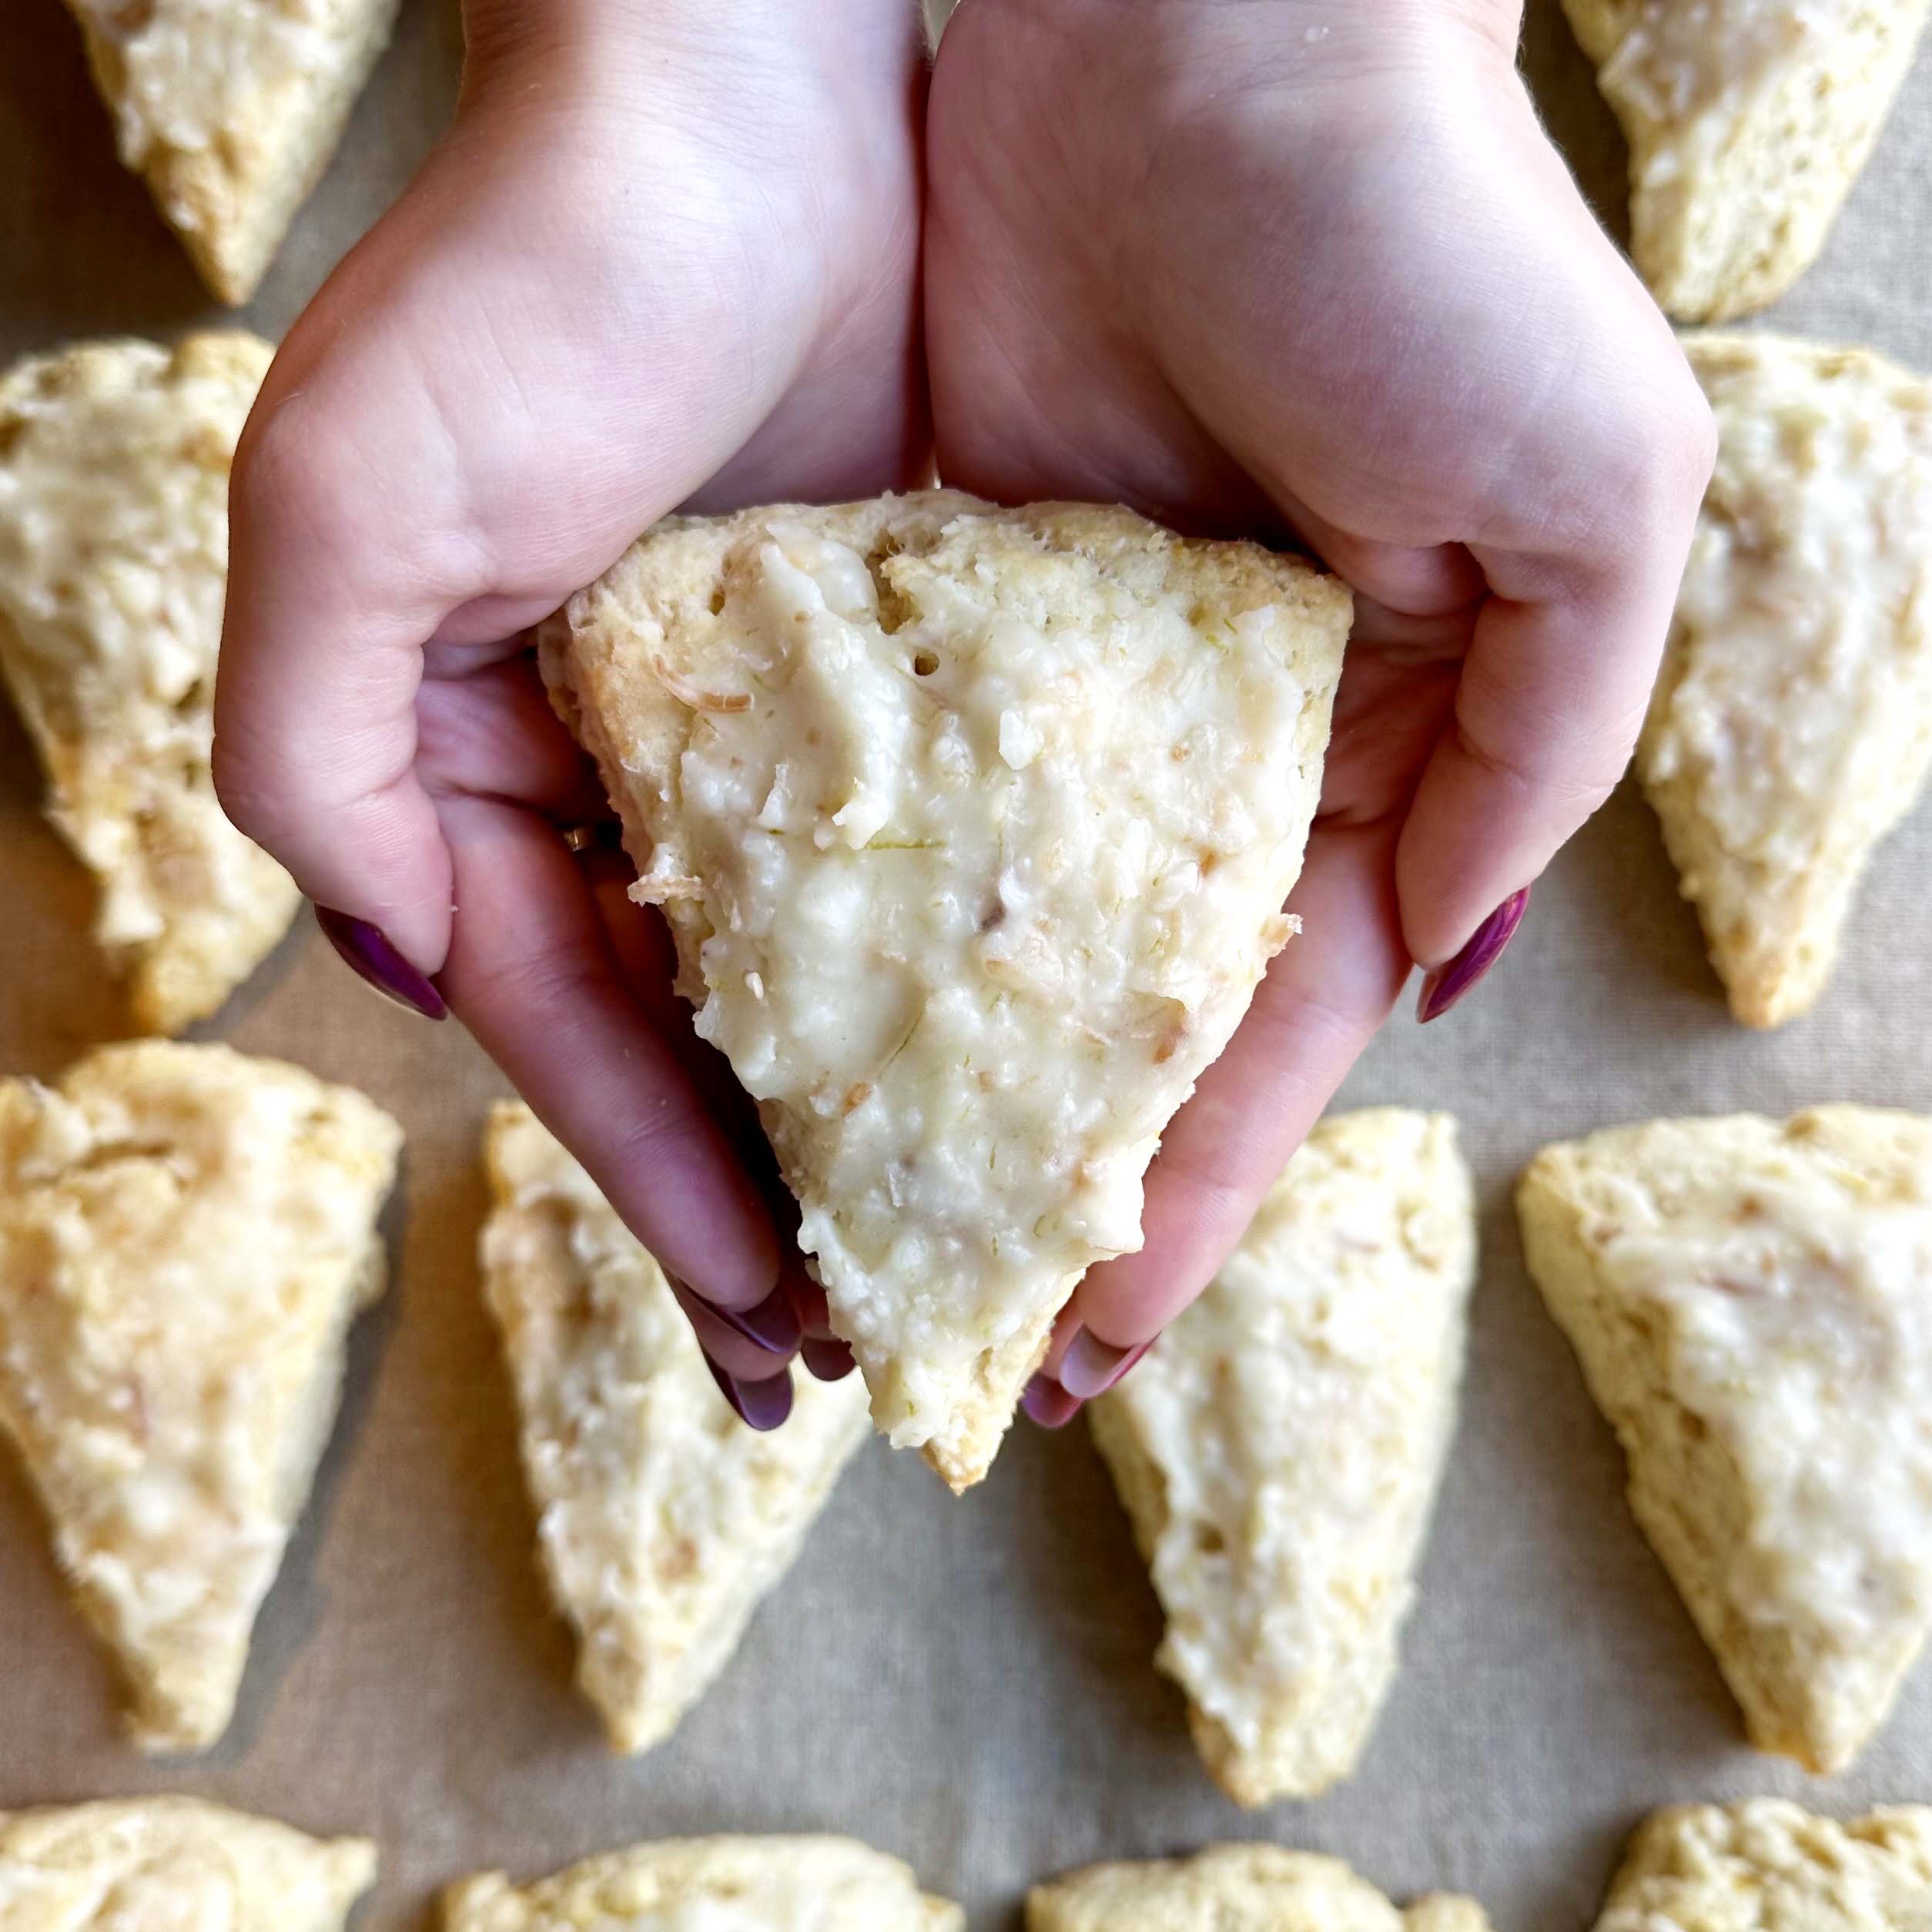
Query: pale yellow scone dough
{"type": "Point", "coordinates": [1748, 122]}
{"type": "Point", "coordinates": [231, 110]}
{"type": "Point", "coordinates": [173, 1865]}
{"type": "Point", "coordinates": [1236, 1888]}
{"type": "Point", "coordinates": [1279, 1450]}
{"type": "Point", "coordinates": [974, 828]}
{"type": "Point", "coordinates": [1765, 1865]}
{"type": "Point", "coordinates": [662, 1520]}
{"type": "Point", "coordinates": [711, 1885]}
{"type": "Point", "coordinates": [1751, 1301]}
{"type": "Point", "coordinates": [114, 459]}
{"type": "Point", "coordinates": [185, 1236]}
{"type": "Point", "coordinates": [1792, 724]}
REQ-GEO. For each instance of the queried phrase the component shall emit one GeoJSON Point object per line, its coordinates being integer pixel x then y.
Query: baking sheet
{"type": "Point", "coordinates": [968, 1683]}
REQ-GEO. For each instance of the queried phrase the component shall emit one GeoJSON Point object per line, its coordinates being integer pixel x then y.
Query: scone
{"type": "Point", "coordinates": [1748, 122]}
{"type": "Point", "coordinates": [114, 459]}
{"type": "Point", "coordinates": [663, 1521]}
{"type": "Point", "coordinates": [1792, 726]}
{"type": "Point", "coordinates": [231, 109]}
{"type": "Point", "coordinates": [185, 1236]}
{"type": "Point", "coordinates": [775, 1884]}
{"type": "Point", "coordinates": [153, 1864]}
{"type": "Point", "coordinates": [1236, 1888]}
{"type": "Point", "coordinates": [1765, 1865]}
{"type": "Point", "coordinates": [973, 827]}
{"type": "Point", "coordinates": [1751, 1304]}
{"type": "Point", "coordinates": [1280, 1448]}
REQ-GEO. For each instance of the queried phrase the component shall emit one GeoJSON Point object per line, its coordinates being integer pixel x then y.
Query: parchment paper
{"type": "Point", "coordinates": [965, 1683]}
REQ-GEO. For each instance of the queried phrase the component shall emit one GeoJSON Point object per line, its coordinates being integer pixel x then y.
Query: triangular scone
{"type": "Point", "coordinates": [973, 827]}
{"type": "Point", "coordinates": [230, 109]}
{"type": "Point", "coordinates": [1792, 725]}
{"type": "Point", "coordinates": [1765, 1865]}
{"type": "Point", "coordinates": [1748, 122]}
{"type": "Point", "coordinates": [663, 1520]}
{"type": "Point", "coordinates": [1236, 1888]}
{"type": "Point", "coordinates": [153, 1864]}
{"type": "Point", "coordinates": [772, 1884]}
{"type": "Point", "coordinates": [1751, 1304]}
{"type": "Point", "coordinates": [1279, 1450]}
{"type": "Point", "coordinates": [114, 461]}
{"type": "Point", "coordinates": [186, 1235]}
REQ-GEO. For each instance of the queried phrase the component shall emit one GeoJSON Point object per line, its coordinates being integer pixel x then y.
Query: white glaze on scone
{"type": "Point", "coordinates": [1279, 1448]}
{"type": "Point", "coordinates": [1751, 1304]}
{"type": "Point", "coordinates": [662, 1520]}
{"type": "Point", "coordinates": [974, 827]}
{"type": "Point", "coordinates": [185, 1236]}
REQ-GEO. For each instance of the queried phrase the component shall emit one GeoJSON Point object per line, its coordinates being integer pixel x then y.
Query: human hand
{"type": "Point", "coordinates": [667, 252]}
{"type": "Point", "coordinates": [1309, 269]}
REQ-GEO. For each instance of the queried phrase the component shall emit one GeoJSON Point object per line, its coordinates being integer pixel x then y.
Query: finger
{"type": "Point", "coordinates": [1324, 995]}
{"type": "Point", "coordinates": [532, 974]}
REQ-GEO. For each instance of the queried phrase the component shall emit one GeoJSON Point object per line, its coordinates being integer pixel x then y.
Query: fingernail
{"type": "Point", "coordinates": [1091, 1367]}
{"type": "Point", "coordinates": [369, 951]}
{"type": "Point", "coordinates": [773, 1325]}
{"type": "Point", "coordinates": [829, 1360]}
{"type": "Point", "coordinates": [1447, 984]}
{"type": "Point", "coordinates": [763, 1405]}
{"type": "Point", "coordinates": [1048, 1404]}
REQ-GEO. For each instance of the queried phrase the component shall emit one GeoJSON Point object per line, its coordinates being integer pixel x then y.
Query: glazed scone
{"type": "Point", "coordinates": [974, 828]}
{"type": "Point", "coordinates": [662, 1520]}
{"type": "Point", "coordinates": [1279, 1449]}
{"type": "Point", "coordinates": [711, 1885]}
{"type": "Point", "coordinates": [114, 459]}
{"type": "Point", "coordinates": [1236, 1888]}
{"type": "Point", "coordinates": [158, 1864]}
{"type": "Point", "coordinates": [1792, 724]}
{"type": "Point", "coordinates": [1748, 122]}
{"type": "Point", "coordinates": [185, 1236]}
{"type": "Point", "coordinates": [230, 109]}
{"type": "Point", "coordinates": [1751, 1304]}
{"type": "Point", "coordinates": [1765, 1865]}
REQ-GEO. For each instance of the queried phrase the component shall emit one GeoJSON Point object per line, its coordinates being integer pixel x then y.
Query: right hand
{"type": "Point", "coordinates": [668, 254]}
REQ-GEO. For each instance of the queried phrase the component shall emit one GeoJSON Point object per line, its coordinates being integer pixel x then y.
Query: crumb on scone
{"type": "Point", "coordinates": [185, 1236]}
{"type": "Point", "coordinates": [114, 461]}
{"type": "Point", "coordinates": [150, 1864]}
{"type": "Point", "coordinates": [231, 110]}
{"type": "Point", "coordinates": [1236, 1888]}
{"type": "Point", "coordinates": [1792, 724]}
{"type": "Point", "coordinates": [1280, 1448]}
{"type": "Point", "coordinates": [1747, 126]}
{"type": "Point", "coordinates": [1751, 1301]}
{"type": "Point", "coordinates": [973, 827]}
{"type": "Point", "coordinates": [662, 1521]}
{"type": "Point", "coordinates": [777, 1884]}
{"type": "Point", "coordinates": [1766, 1865]}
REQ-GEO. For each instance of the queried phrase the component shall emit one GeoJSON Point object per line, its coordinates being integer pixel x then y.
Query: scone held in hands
{"type": "Point", "coordinates": [974, 828]}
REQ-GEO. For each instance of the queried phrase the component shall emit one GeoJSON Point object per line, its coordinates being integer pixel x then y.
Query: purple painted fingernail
{"type": "Point", "coordinates": [773, 1325]}
{"type": "Point", "coordinates": [763, 1405]}
{"type": "Point", "coordinates": [1091, 1367]}
{"type": "Point", "coordinates": [1048, 1404]}
{"type": "Point", "coordinates": [1447, 984]}
{"type": "Point", "coordinates": [828, 1357]}
{"type": "Point", "coordinates": [369, 951]}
